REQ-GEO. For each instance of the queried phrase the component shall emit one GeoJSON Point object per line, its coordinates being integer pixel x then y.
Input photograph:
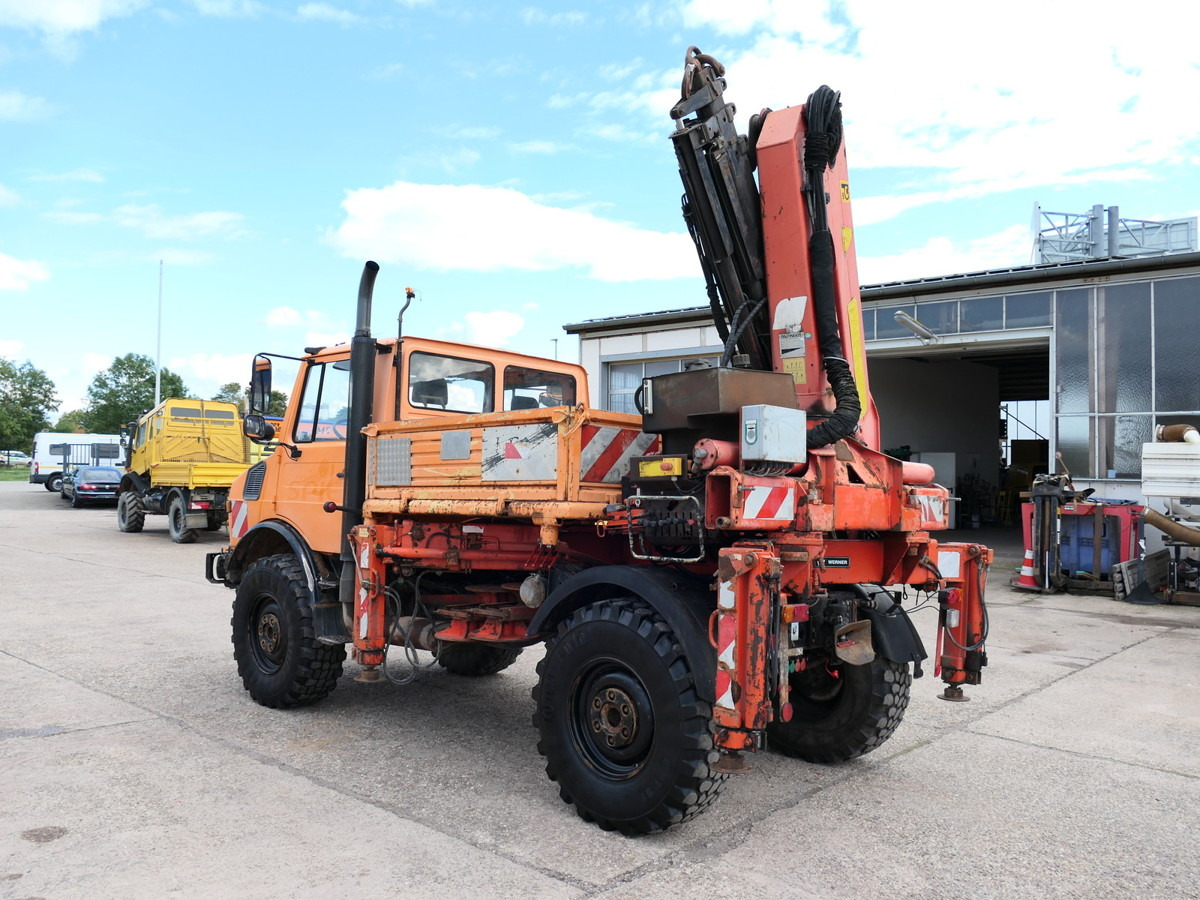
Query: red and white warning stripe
{"type": "Point", "coordinates": [726, 645]}
{"type": "Point", "coordinates": [606, 451]}
{"type": "Point", "coordinates": [238, 518]}
{"type": "Point", "coordinates": [770, 503]}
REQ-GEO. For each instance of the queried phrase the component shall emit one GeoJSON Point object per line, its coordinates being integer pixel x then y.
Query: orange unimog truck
{"type": "Point", "coordinates": [713, 577]}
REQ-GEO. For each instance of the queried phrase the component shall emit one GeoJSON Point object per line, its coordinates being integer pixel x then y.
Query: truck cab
{"type": "Point", "coordinates": [291, 488]}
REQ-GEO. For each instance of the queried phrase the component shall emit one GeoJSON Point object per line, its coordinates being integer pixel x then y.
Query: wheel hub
{"type": "Point", "coordinates": [270, 633]}
{"type": "Point", "coordinates": [613, 718]}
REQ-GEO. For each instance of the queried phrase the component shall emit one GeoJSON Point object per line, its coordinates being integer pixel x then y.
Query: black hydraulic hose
{"type": "Point", "coordinates": [823, 118]}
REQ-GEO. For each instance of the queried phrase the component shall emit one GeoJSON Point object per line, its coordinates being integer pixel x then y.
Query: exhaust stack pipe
{"type": "Point", "coordinates": [362, 401]}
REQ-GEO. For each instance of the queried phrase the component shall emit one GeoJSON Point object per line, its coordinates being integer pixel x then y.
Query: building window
{"type": "Point", "coordinates": [623, 379]}
{"type": "Point", "coordinates": [1124, 363]}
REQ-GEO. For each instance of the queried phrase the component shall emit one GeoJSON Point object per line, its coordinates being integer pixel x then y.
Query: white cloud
{"type": "Point", "coordinates": [325, 12]}
{"type": "Point", "coordinates": [571, 18]}
{"type": "Point", "coordinates": [10, 349]}
{"type": "Point", "coordinates": [19, 274]}
{"type": "Point", "coordinates": [944, 256]}
{"type": "Point", "coordinates": [282, 317]}
{"type": "Point", "coordinates": [1048, 97]}
{"type": "Point", "coordinates": [319, 329]}
{"type": "Point", "coordinates": [229, 9]}
{"type": "Point", "coordinates": [423, 225]}
{"type": "Point", "coordinates": [65, 16]}
{"type": "Point", "coordinates": [204, 373]}
{"type": "Point", "coordinates": [18, 107]}
{"type": "Point", "coordinates": [493, 329]}
{"type": "Point", "coordinates": [7, 197]}
{"type": "Point", "coordinates": [153, 223]}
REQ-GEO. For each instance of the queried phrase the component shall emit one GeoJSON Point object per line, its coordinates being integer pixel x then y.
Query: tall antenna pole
{"type": "Point", "coordinates": [158, 348]}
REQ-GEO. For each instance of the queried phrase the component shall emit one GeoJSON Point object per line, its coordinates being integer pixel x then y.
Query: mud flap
{"type": "Point", "coordinates": [893, 635]}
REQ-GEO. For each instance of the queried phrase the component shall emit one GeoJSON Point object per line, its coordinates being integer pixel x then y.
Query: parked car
{"type": "Point", "coordinates": [14, 458]}
{"type": "Point", "coordinates": [90, 484]}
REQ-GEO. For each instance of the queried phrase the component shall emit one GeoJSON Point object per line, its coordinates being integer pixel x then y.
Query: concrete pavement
{"type": "Point", "coordinates": [134, 765]}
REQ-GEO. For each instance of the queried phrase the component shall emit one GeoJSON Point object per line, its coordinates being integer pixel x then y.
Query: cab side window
{"type": "Point", "coordinates": [450, 383]}
{"type": "Point", "coordinates": [325, 403]}
{"type": "Point", "coordinates": [526, 388]}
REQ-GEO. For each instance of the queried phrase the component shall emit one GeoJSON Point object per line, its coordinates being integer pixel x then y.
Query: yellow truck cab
{"type": "Point", "coordinates": [181, 458]}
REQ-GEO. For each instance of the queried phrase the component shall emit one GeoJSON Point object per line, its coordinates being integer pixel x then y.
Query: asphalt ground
{"type": "Point", "coordinates": [133, 764]}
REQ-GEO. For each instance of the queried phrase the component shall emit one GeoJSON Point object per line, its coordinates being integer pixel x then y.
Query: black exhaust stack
{"type": "Point", "coordinates": [362, 400]}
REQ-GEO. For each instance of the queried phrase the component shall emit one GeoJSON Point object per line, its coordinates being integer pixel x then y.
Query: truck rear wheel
{"type": "Point", "coordinates": [838, 717]}
{"type": "Point", "coordinates": [54, 483]}
{"type": "Point", "coordinates": [280, 660]}
{"type": "Point", "coordinates": [131, 512]}
{"type": "Point", "coordinates": [177, 523]}
{"type": "Point", "coordinates": [476, 660]}
{"type": "Point", "coordinates": [623, 726]}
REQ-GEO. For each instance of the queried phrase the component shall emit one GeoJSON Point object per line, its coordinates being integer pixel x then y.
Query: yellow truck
{"type": "Point", "coordinates": [181, 458]}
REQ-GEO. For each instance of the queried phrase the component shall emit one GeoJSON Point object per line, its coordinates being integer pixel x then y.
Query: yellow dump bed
{"type": "Point", "coordinates": [559, 463]}
{"type": "Point", "coordinates": [192, 443]}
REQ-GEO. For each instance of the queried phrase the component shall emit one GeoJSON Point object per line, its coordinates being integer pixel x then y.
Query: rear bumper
{"type": "Point", "coordinates": [97, 496]}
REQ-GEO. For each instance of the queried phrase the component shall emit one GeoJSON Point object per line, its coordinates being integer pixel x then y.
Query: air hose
{"type": "Point", "coordinates": [823, 139]}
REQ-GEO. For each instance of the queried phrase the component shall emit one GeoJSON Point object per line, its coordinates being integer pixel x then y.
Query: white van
{"type": "Point", "coordinates": [54, 453]}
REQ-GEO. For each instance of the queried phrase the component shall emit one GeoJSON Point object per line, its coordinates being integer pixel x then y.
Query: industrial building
{"type": "Point", "coordinates": [1092, 353]}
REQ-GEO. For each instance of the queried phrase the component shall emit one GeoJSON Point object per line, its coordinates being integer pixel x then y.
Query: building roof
{"type": "Point", "coordinates": [1017, 276]}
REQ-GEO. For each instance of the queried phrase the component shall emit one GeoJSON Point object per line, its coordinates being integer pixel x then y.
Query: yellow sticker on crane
{"type": "Point", "coordinates": [845, 192]}
{"type": "Point", "coordinates": [858, 352]}
{"type": "Point", "coordinates": [795, 368]}
{"type": "Point", "coordinates": [847, 238]}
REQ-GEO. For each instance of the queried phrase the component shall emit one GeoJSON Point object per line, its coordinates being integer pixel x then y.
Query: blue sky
{"type": "Point", "coordinates": [512, 163]}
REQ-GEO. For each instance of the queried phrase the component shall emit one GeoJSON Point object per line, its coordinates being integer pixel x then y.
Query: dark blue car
{"type": "Point", "coordinates": [90, 484]}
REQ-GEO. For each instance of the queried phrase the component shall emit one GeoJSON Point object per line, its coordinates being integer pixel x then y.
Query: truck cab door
{"type": "Point", "coordinates": [310, 470]}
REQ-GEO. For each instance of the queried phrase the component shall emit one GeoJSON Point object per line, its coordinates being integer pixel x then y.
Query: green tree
{"type": "Point", "coordinates": [235, 393]}
{"type": "Point", "coordinates": [125, 390]}
{"type": "Point", "coordinates": [230, 393]}
{"type": "Point", "coordinates": [26, 397]}
{"type": "Point", "coordinates": [71, 422]}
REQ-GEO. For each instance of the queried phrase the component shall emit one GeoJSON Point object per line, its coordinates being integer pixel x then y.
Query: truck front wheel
{"type": "Point", "coordinates": [177, 522]}
{"type": "Point", "coordinates": [624, 729]}
{"type": "Point", "coordinates": [131, 512]}
{"type": "Point", "coordinates": [281, 662]}
{"type": "Point", "coordinates": [842, 712]}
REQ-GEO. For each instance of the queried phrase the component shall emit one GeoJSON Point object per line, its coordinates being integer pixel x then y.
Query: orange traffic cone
{"type": "Point", "coordinates": [1025, 581]}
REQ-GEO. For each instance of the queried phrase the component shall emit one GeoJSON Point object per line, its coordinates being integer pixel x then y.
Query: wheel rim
{"type": "Point", "coordinates": [177, 519]}
{"type": "Point", "coordinates": [268, 640]}
{"type": "Point", "coordinates": [612, 720]}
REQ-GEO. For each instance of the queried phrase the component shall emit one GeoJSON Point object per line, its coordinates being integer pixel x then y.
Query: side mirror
{"type": "Point", "coordinates": [260, 386]}
{"type": "Point", "coordinates": [258, 429]}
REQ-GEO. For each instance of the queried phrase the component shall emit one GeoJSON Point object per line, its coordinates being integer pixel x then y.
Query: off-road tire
{"type": "Point", "coordinates": [280, 660]}
{"type": "Point", "coordinates": [624, 727]}
{"type": "Point", "coordinates": [54, 483]}
{"type": "Point", "coordinates": [131, 512]}
{"type": "Point", "coordinates": [476, 660]}
{"type": "Point", "coordinates": [177, 523]}
{"type": "Point", "coordinates": [836, 719]}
